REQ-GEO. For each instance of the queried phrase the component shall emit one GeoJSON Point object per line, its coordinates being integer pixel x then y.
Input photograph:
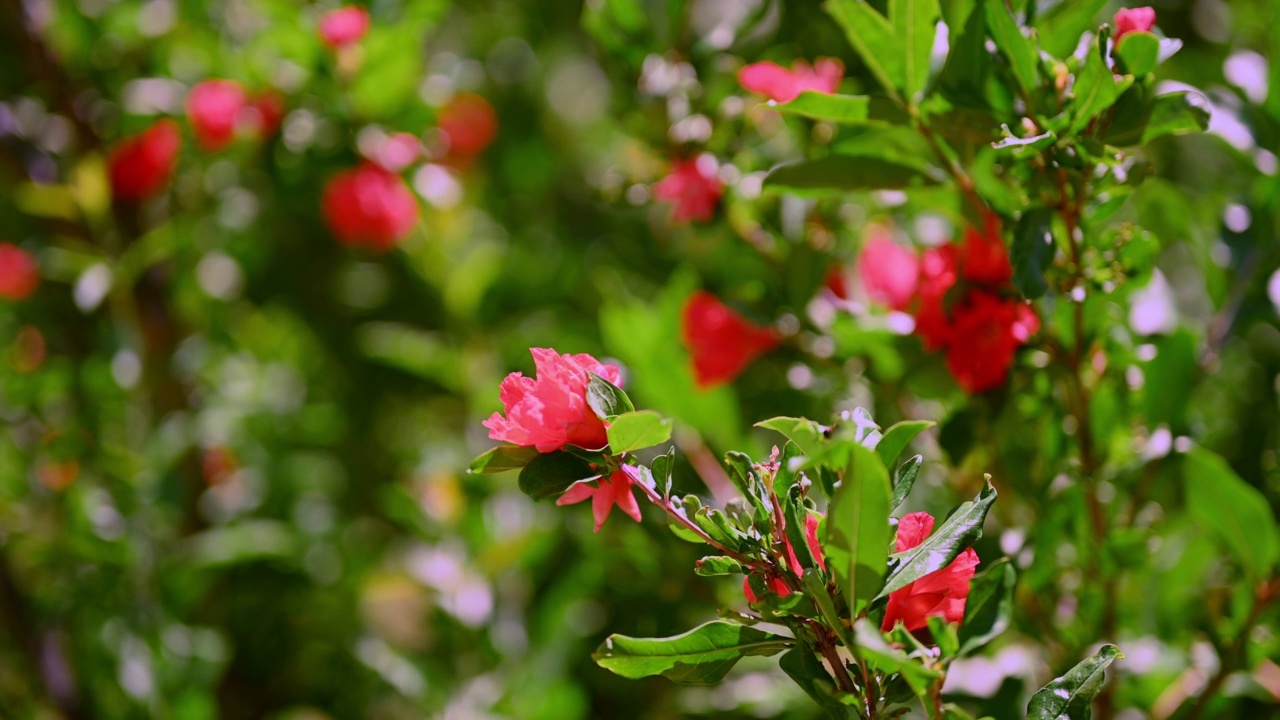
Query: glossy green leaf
{"type": "Point", "coordinates": [897, 437]}
{"type": "Point", "coordinates": [637, 430]}
{"type": "Point", "coordinates": [702, 656]}
{"type": "Point", "coordinates": [716, 565]}
{"type": "Point", "coordinates": [1032, 252]}
{"type": "Point", "coordinates": [1138, 53]}
{"type": "Point", "coordinates": [1138, 123]}
{"type": "Point", "coordinates": [857, 528]}
{"type": "Point", "coordinates": [502, 459]}
{"type": "Point", "coordinates": [914, 22]}
{"type": "Point", "coordinates": [871, 34]}
{"type": "Point", "coordinates": [1096, 89]}
{"type": "Point", "coordinates": [1015, 46]}
{"type": "Point", "coordinates": [844, 172]}
{"type": "Point", "coordinates": [607, 399]}
{"type": "Point", "coordinates": [948, 540]}
{"type": "Point", "coordinates": [1070, 697]}
{"type": "Point", "coordinates": [965, 72]}
{"type": "Point", "coordinates": [805, 433]}
{"type": "Point", "coordinates": [906, 478]}
{"type": "Point", "coordinates": [1235, 512]}
{"type": "Point", "coordinates": [844, 109]}
{"type": "Point", "coordinates": [552, 473]}
{"type": "Point", "coordinates": [989, 609]}
{"type": "Point", "coordinates": [661, 469]}
{"type": "Point", "coordinates": [1059, 28]}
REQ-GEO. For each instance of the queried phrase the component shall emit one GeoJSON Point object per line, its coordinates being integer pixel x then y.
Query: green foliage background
{"type": "Point", "coordinates": [350, 568]}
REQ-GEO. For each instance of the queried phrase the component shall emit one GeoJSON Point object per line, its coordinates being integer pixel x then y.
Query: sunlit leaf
{"type": "Point", "coordinates": [702, 656]}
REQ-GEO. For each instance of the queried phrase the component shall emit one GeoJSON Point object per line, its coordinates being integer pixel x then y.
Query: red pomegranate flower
{"type": "Point", "coordinates": [19, 273]}
{"type": "Point", "coordinates": [782, 85]}
{"type": "Point", "coordinates": [469, 123]}
{"type": "Point", "coordinates": [692, 188]}
{"type": "Point", "coordinates": [213, 108]}
{"type": "Point", "coordinates": [988, 329]}
{"type": "Point", "coordinates": [550, 410]}
{"type": "Point", "coordinates": [889, 272]}
{"type": "Point", "coordinates": [1131, 20]}
{"type": "Point", "coordinates": [140, 166]}
{"type": "Point", "coordinates": [604, 493]}
{"type": "Point", "coordinates": [344, 26]}
{"type": "Point", "coordinates": [937, 277]}
{"type": "Point", "coordinates": [943, 592]}
{"type": "Point", "coordinates": [369, 206]}
{"type": "Point", "coordinates": [262, 113]}
{"type": "Point", "coordinates": [983, 256]}
{"type": "Point", "coordinates": [721, 341]}
{"type": "Point", "coordinates": [776, 584]}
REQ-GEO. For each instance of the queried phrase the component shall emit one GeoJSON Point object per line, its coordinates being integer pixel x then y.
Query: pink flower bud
{"type": "Point", "coordinates": [140, 166]}
{"type": "Point", "coordinates": [343, 27]}
{"type": "Point", "coordinates": [692, 188]}
{"type": "Point", "coordinates": [1133, 20]}
{"type": "Point", "coordinates": [889, 272]}
{"type": "Point", "coordinates": [213, 108]}
{"type": "Point", "coordinates": [369, 206]}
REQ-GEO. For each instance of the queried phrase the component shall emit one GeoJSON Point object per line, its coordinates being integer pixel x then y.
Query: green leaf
{"type": "Point", "coordinates": [958, 532]}
{"type": "Point", "coordinates": [805, 433]}
{"type": "Point", "coordinates": [637, 430]}
{"type": "Point", "coordinates": [802, 665]}
{"type": "Point", "coordinates": [1096, 89]}
{"type": "Point", "coordinates": [1138, 123]}
{"type": "Point", "coordinates": [843, 109]}
{"type": "Point", "coordinates": [715, 565]}
{"type": "Point", "coordinates": [907, 474]}
{"type": "Point", "coordinates": [607, 399]}
{"type": "Point", "coordinates": [1032, 252]}
{"type": "Point", "coordinates": [885, 658]}
{"type": "Point", "coordinates": [552, 473]}
{"type": "Point", "coordinates": [873, 37]}
{"type": "Point", "coordinates": [702, 656]}
{"type": "Point", "coordinates": [1060, 27]}
{"type": "Point", "coordinates": [897, 437]}
{"type": "Point", "coordinates": [965, 71]}
{"type": "Point", "coordinates": [990, 606]}
{"type": "Point", "coordinates": [816, 589]}
{"type": "Point", "coordinates": [1070, 696]}
{"type": "Point", "coordinates": [1138, 53]}
{"type": "Point", "coordinates": [1013, 45]}
{"type": "Point", "coordinates": [844, 172]}
{"type": "Point", "coordinates": [1236, 512]}
{"type": "Point", "coordinates": [502, 459]}
{"type": "Point", "coordinates": [915, 23]}
{"type": "Point", "coordinates": [857, 528]}
{"type": "Point", "coordinates": [661, 469]}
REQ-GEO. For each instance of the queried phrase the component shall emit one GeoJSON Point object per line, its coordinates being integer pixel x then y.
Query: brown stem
{"type": "Point", "coordinates": [826, 646]}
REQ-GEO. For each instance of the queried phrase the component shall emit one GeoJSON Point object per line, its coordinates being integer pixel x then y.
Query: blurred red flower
{"type": "Point", "coordinates": [19, 273]}
{"type": "Point", "coordinates": [889, 272]}
{"type": "Point", "coordinates": [720, 340]}
{"type": "Point", "coordinates": [469, 123]}
{"type": "Point", "coordinates": [213, 108]}
{"type": "Point", "coordinates": [604, 494]}
{"type": "Point", "coordinates": [943, 592]}
{"type": "Point", "coordinates": [692, 188]}
{"type": "Point", "coordinates": [988, 329]}
{"type": "Point", "coordinates": [983, 256]}
{"type": "Point", "coordinates": [140, 166]}
{"type": "Point", "coordinates": [550, 410]}
{"type": "Point", "coordinates": [262, 113]}
{"type": "Point", "coordinates": [1131, 20]}
{"type": "Point", "coordinates": [369, 206]}
{"type": "Point", "coordinates": [937, 277]}
{"type": "Point", "coordinates": [782, 85]}
{"type": "Point", "coordinates": [344, 26]}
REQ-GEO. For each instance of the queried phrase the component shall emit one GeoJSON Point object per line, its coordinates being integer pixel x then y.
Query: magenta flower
{"type": "Point", "coordinates": [943, 592]}
{"type": "Point", "coordinates": [1131, 20]}
{"type": "Point", "coordinates": [213, 107]}
{"type": "Point", "coordinates": [344, 26]}
{"type": "Point", "coordinates": [721, 342]}
{"type": "Point", "coordinates": [604, 494]}
{"type": "Point", "coordinates": [550, 410]}
{"type": "Point", "coordinates": [889, 272]}
{"type": "Point", "coordinates": [692, 188]}
{"type": "Point", "coordinates": [782, 85]}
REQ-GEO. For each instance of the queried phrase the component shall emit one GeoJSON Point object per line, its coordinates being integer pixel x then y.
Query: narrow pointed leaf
{"type": "Point", "coordinates": [1096, 89]}
{"type": "Point", "coordinates": [897, 437]}
{"type": "Point", "coordinates": [805, 433]}
{"type": "Point", "coordinates": [843, 109]}
{"type": "Point", "coordinates": [550, 474]}
{"type": "Point", "coordinates": [637, 430]}
{"type": "Point", "coordinates": [846, 172]}
{"type": "Point", "coordinates": [907, 474]}
{"type": "Point", "coordinates": [857, 528]}
{"type": "Point", "coordinates": [607, 399]}
{"type": "Point", "coordinates": [702, 656]}
{"type": "Point", "coordinates": [1232, 509]}
{"type": "Point", "coordinates": [873, 37]}
{"type": "Point", "coordinates": [1070, 697]}
{"type": "Point", "coordinates": [958, 532]}
{"type": "Point", "coordinates": [502, 459]}
{"type": "Point", "coordinates": [915, 23]}
{"type": "Point", "coordinates": [1013, 45]}
{"type": "Point", "coordinates": [1032, 252]}
{"type": "Point", "coordinates": [1138, 123]}
{"type": "Point", "coordinates": [989, 608]}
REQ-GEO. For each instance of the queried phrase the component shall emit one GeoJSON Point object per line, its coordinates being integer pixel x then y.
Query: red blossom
{"type": "Point", "coordinates": [692, 188]}
{"type": "Point", "coordinates": [943, 592]}
{"type": "Point", "coordinates": [720, 340]}
{"type": "Point", "coordinates": [262, 113]}
{"type": "Point", "coordinates": [19, 273]}
{"type": "Point", "coordinates": [604, 494]}
{"type": "Point", "coordinates": [140, 166]}
{"type": "Point", "coordinates": [469, 123]}
{"type": "Point", "coordinates": [782, 85]}
{"type": "Point", "coordinates": [889, 272]}
{"type": "Point", "coordinates": [777, 584]}
{"type": "Point", "coordinates": [213, 108]}
{"type": "Point", "coordinates": [344, 26]}
{"type": "Point", "coordinates": [1131, 20]}
{"type": "Point", "coordinates": [983, 257]}
{"type": "Point", "coordinates": [550, 410]}
{"type": "Point", "coordinates": [937, 277]}
{"type": "Point", "coordinates": [988, 330]}
{"type": "Point", "coordinates": [369, 206]}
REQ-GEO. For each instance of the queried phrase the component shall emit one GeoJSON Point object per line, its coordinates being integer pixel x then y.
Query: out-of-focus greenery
{"type": "Point", "coordinates": [232, 465]}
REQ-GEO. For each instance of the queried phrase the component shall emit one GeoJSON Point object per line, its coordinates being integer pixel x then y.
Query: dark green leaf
{"type": "Point", "coordinates": [502, 459]}
{"type": "Point", "coordinates": [857, 528]}
{"type": "Point", "coordinates": [944, 635]}
{"type": "Point", "coordinates": [914, 23]}
{"type": "Point", "coordinates": [637, 430]}
{"type": "Point", "coordinates": [661, 469]}
{"type": "Point", "coordinates": [965, 71]}
{"type": "Point", "coordinates": [897, 437]}
{"type": "Point", "coordinates": [1096, 89]}
{"type": "Point", "coordinates": [989, 608]}
{"type": "Point", "coordinates": [873, 37]}
{"type": "Point", "coordinates": [1060, 27]}
{"type": "Point", "coordinates": [1032, 252]}
{"type": "Point", "coordinates": [1138, 123]}
{"type": "Point", "coordinates": [803, 666]}
{"type": "Point", "coordinates": [1236, 512]}
{"type": "Point", "coordinates": [805, 433]}
{"type": "Point", "coordinates": [907, 474]}
{"type": "Point", "coordinates": [844, 109]}
{"type": "Point", "coordinates": [702, 656]}
{"type": "Point", "coordinates": [958, 532]}
{"type": "Point", "coordinates": [1138, 53]}
{"type": "Point", "coordinates": [1015, 46]}
{"type": "Point", "coordinates": [843, 172]}
{"type": "Point", "coordinates": [607, 399]}
{"type": "Point", "coordinates": [715, 565]}
{"type": "Point", "coordinates": [552, 473]}
{"type": "Point", "coordinates": [881, 656]}
{"type": "Point", "coordinates": [1070, 696]}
